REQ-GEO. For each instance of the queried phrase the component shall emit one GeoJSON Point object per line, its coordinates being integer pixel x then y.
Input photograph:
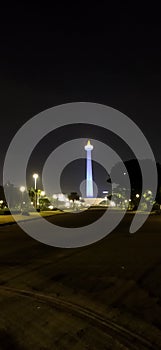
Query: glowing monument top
{"type": "Point", "coordinates": [88, 146]}
{"type": "Point", "coordinates": [89, 176]}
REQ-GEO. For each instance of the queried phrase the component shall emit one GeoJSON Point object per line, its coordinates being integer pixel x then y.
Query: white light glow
{"type": "Point", "coordinates": [42, 193]}
{"type": "Point", "coordinates": [149, 192]}
{"type": "Point", "coordinates": [54, 196]}
{"type": "Point", "coordinates": [50, 207]}
{"type": "Point", "coordinates": [35, 176]}
{"type": "Point", "coordinates": [112, 204]}
{"type": "Point", "coordinates": [22, 189]}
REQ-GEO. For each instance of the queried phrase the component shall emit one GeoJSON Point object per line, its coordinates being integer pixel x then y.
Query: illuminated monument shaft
{"type": "Point", "coordinates": [89, 175]}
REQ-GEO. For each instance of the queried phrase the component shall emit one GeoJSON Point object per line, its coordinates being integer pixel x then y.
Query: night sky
{"type": "Point", "coordinates": [104, 54]}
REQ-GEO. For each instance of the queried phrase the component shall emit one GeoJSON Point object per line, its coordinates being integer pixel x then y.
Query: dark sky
{"type": "Point", "coordinates": [97, 53]}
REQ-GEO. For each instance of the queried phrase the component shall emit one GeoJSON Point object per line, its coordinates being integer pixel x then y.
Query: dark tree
{"type": "Point", "coordinates": [73, 196]}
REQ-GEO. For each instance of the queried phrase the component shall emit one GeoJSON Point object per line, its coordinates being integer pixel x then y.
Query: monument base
{"type": "Point", "coordinates": [92, 201]}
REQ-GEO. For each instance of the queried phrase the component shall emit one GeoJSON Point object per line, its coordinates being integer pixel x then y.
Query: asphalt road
{"type": "Point", "coordinates": [117, 278]}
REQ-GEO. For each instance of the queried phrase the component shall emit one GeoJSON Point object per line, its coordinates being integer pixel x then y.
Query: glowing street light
{"type": "Point", "coordinates": [22, 189]}
{"type": "Point", "coordinates": [35, 176]}
{"type": "Point", "coordinates": [137, 195]}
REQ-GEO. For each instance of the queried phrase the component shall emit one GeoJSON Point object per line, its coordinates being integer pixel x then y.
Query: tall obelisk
{"type": "Point", "coordinates": [89, 176]}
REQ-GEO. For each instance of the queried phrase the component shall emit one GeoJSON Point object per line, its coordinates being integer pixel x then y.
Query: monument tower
{"type": "Point", "coordinates": [89, 176]}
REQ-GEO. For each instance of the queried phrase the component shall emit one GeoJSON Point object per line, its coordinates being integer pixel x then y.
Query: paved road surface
{"type": "Point", "coordinates": [117, 278]}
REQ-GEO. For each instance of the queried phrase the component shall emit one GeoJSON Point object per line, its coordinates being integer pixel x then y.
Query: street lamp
{"type": "Point", "coordinates": [35, 176]}
{"type": "Point", "coordinates": [137, 195]}
{"type": "Point", "coordinates": [22, 189]}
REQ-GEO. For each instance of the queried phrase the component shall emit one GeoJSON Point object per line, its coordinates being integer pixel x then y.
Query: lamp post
{"type": "Point", "coordinates": [137, 200]}
{"type": "Point", "coordinates": [22, 189]}
{"type": "Point", "coordinates": [35, 176]}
